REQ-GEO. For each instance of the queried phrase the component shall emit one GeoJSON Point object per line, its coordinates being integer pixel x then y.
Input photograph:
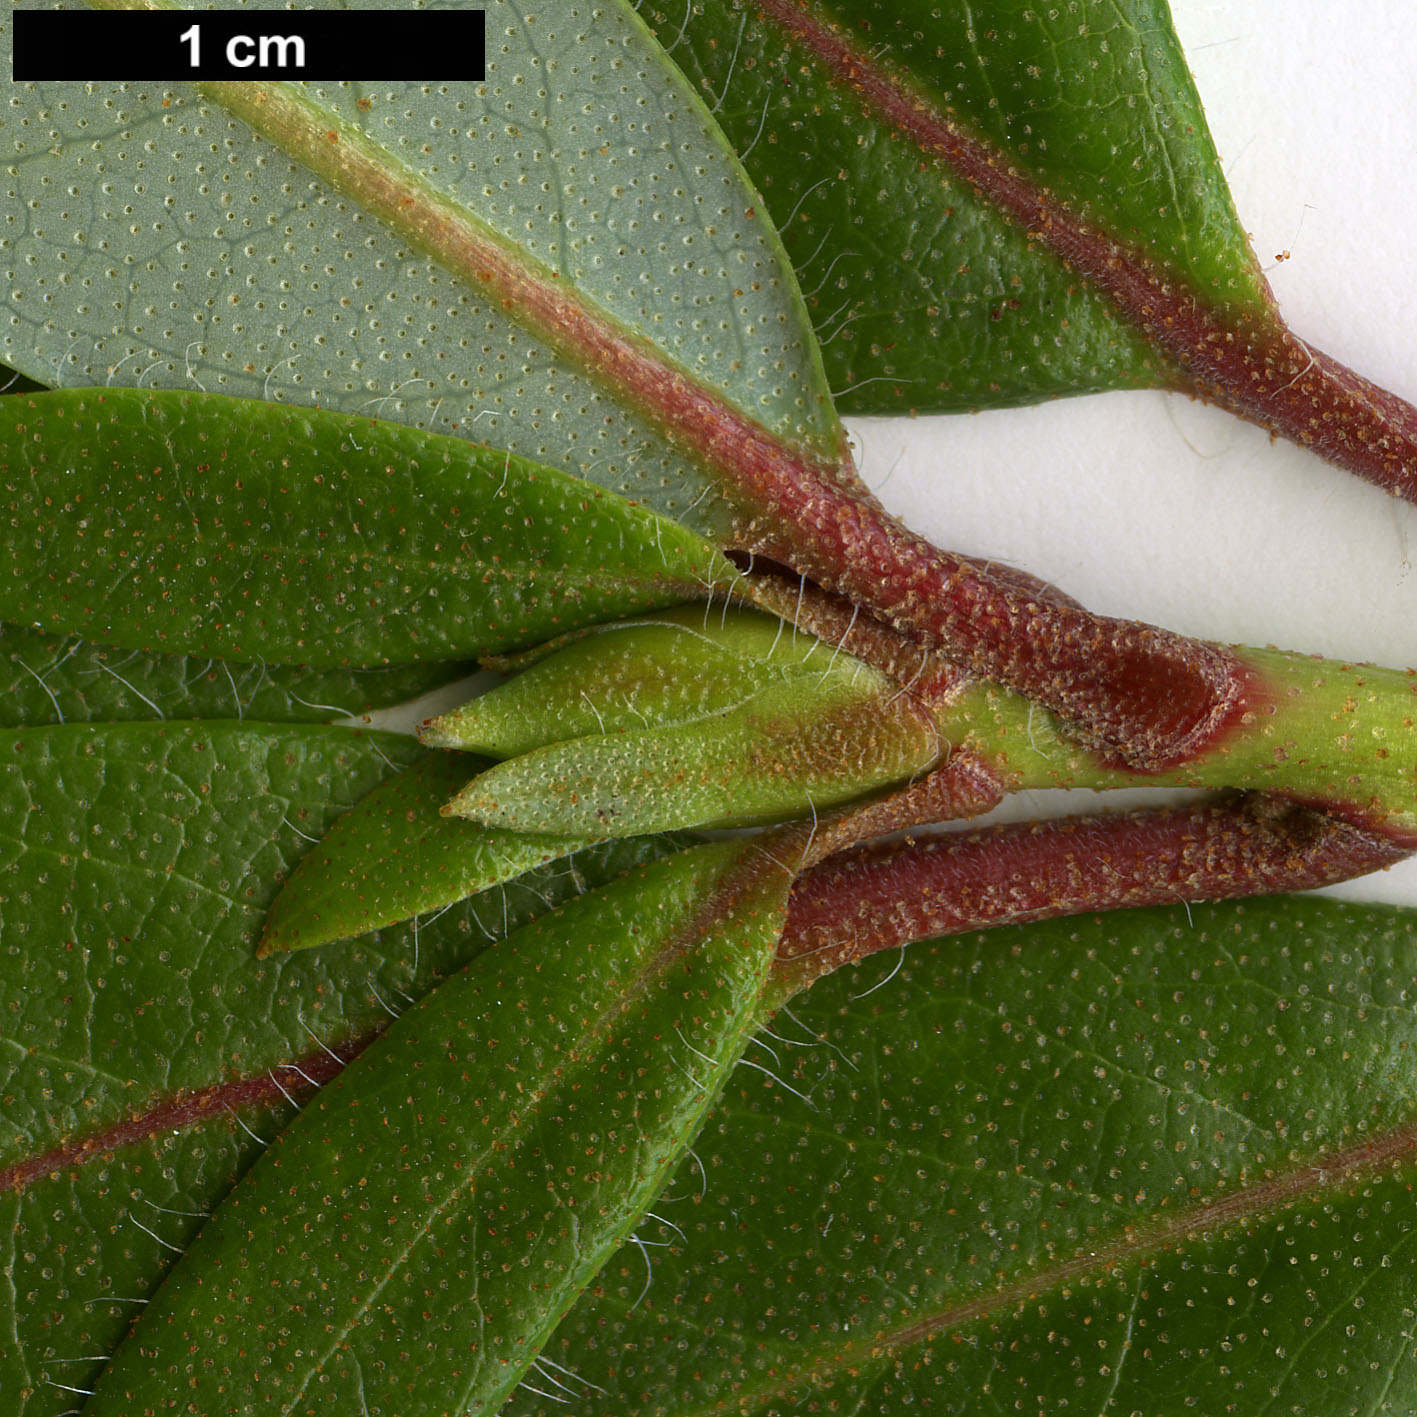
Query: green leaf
{"type": "Point", "coordinates": [394, 856]}
{"type": "Point", "coordinates": [684, 665]}
{"type": "Point", "coordinates": [202, 525]}
{"type": "Point", "coordinates": [1142, 1162]}
{"type": "Point", "coordinates": [924, 294]}
{"type": "Point", "coordinates": [60, 679]}
{"type": "Point", "coordinates": [681, 666]}
{"type": "Point", "coordinates": [782, 755]}
{"type": "Point", "coordinates": [121, 842]}
{"type": "Point", "coordinates": [146, 1053]}
{"type": "Point", "coordinates": [637, 205]}
{"type": "Point", "coordinates": [57, 1220]}
{"type": "Point", "coordinates": [411, 1239]}
{"type": "Point", "coordinates": [694, 719]}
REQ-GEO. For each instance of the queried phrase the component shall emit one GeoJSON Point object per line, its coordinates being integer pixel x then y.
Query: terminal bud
{"type": "Point", "coordinates": [685, 720]}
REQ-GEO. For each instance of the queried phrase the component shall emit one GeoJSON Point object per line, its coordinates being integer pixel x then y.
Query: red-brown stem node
{"type": "Point", "coordinates": [1154, 698]}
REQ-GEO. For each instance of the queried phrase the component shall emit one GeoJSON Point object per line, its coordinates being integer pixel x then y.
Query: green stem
{"type": "Point", "coordinates": [1336, 735]}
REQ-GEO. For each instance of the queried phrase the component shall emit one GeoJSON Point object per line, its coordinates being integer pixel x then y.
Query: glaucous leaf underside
{"type": "Point", "coordinates": [585, 152]}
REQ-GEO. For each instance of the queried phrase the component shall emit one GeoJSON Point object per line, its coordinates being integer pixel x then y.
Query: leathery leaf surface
{"type": "Point", "coordinates": [395, 856]}
{"type": "Point", "coordinates": [63, 679]}
{"type": "Point", "coordinates": [146, 1054]}
{"type": "Point", "coordinates": [584, 154]}
{"type": "Point", "coordinates": [411, 1239]}
{"type": "Point", "coordinates": [203, 525]}
{"type": "Point", "coordinates": [925, 297]}
{"type": "Point", "coordinates": [1154, 1162]}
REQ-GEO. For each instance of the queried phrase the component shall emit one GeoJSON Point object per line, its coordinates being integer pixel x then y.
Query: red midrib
{"type": "Point", "coordinates": [1325, 1174]}
{"type": "Point", "coordinates": [300, 1078]}
{"type": "Point", "coordinates": [1252, 365]}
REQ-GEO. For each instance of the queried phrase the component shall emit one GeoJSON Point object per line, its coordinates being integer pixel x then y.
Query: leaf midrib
{"type": "Point", "coordinates": [1312, 1180]}
{"type": "Point", "coordinates": [1133, 281]}
{"type": "Point", "coordinates": [196, 1107]}
{"type": "Point", "coordinates": [581, 1056]}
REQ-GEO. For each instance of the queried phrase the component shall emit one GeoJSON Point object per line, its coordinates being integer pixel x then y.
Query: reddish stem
{"type": "Point", "coordinates": [1249, 363]}
{"type": "Point", "coordinates": [961, 787]}
{"type": "Point", "coordinates": [880, 897]}
{"type": "Point", "coordinates": [1154, 697]}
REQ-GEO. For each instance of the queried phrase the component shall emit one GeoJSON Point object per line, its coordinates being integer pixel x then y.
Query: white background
{"type": "Point", "coordinates": [1159, 508]}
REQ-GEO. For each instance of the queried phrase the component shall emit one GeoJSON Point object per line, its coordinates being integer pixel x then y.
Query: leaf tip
{"type": "Point", "coordinates": [433, 733]}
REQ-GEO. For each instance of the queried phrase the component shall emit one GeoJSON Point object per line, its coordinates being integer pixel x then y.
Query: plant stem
{"type": "Point", "coordinates": [881, 897]}
{"type": "Point", "coordinates": [1154, 700]}
{"type": "Point", "coordinates": [1337, 736]}
{"type": "Point", "coordinates": [1155, 697]}
{"type": "Point", "coordinates": [1245, 359]}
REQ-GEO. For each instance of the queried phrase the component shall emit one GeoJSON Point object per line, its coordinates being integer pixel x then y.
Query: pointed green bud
{"type": "Point", "coordinates": [684, 720]}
